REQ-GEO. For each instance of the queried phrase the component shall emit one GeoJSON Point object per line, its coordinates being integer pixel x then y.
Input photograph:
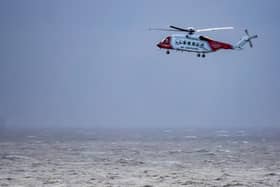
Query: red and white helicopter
{"type": "Point", "coordinates": [199, 44]}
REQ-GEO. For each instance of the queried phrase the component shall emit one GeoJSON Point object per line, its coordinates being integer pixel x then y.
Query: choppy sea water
{"type": "Point", "coordinates": [158, 157]}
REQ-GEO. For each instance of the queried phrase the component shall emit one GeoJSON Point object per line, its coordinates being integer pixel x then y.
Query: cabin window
{"type": "Point", "coordinates": [184, 42]}
{"type": "Point", "coordinates": [193, 44]}
{"type": "Point", "coordinates": [189, 43]}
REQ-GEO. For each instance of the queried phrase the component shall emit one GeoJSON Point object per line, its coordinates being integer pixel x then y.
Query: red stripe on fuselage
{"type": "Point", "coordinates": [216, 45]}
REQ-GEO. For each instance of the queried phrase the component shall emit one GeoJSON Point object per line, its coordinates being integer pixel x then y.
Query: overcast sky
{"type": "Point", "coordinates": [94, 63]}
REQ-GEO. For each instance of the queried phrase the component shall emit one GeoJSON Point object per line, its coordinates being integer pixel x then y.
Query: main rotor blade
{"type": "Point", "coordinates": [181, 29]}
{"type": "Point", "coordinates": [214, 29]}
{"type": "Point", "coordinates": [161, 29]}
{"type": "Point", "coordinates": [190, 30]}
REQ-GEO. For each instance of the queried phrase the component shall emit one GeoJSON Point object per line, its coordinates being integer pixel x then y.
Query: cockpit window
{"type": "Point", "coordinates": [166, 40]}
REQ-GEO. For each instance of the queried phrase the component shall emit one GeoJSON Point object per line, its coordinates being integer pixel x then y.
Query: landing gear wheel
{"type": "Point", "coordinates": [198, 55]}
{"type": "Point", "coordinates": [167, 52]}
{"type": "Point", "coordinates": [203, 55]}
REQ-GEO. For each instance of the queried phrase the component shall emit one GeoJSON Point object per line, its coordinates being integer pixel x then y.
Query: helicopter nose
{"type": "Point", "coordinates": [159, 45]}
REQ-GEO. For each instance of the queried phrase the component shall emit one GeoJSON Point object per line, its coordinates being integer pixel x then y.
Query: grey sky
{"type": "Point", "coordinates": [94, 63]}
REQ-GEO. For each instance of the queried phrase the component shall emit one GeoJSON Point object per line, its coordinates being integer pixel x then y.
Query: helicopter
{"type": "Point", "coordinates": [199, 44]}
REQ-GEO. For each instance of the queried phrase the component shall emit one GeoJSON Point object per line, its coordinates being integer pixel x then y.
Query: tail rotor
{"type": "Point", "coordinates": [250, 38]}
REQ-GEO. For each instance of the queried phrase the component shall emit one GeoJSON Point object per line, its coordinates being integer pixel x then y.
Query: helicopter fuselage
{"type": "Point", "coordinates": [192, 43]}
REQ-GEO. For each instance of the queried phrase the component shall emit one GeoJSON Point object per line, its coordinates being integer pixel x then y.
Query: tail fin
{"type": "Point", "coordinates": [244, 40]}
